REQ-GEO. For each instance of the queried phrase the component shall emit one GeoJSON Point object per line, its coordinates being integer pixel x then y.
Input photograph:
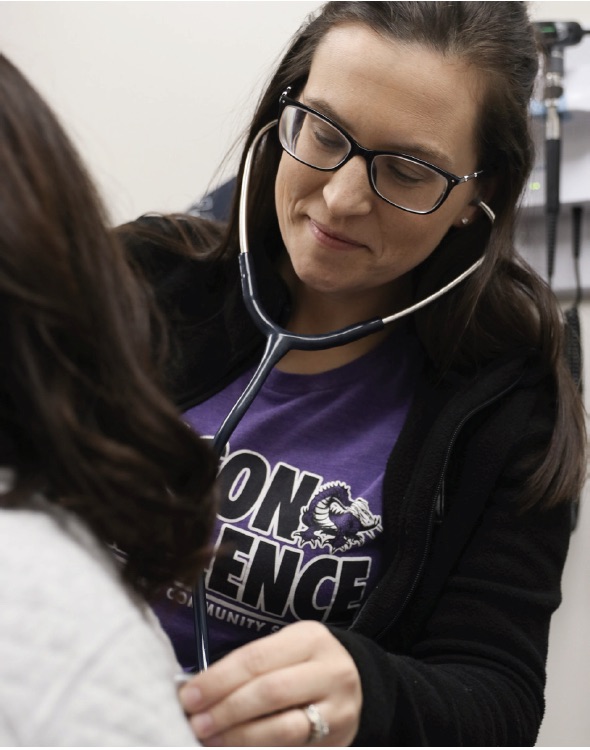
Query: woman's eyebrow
{"type": "Point", "coordinates": [412, 149]}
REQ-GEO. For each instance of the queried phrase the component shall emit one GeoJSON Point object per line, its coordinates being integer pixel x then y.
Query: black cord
{"type": "Point", "coordinates": [573, 341]}
{"type": "Point", "coordinates": [573, 338]}
{"type": "Point", "coordinates": [576, 244]}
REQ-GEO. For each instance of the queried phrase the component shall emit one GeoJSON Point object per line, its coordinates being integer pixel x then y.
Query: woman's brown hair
{"type": "Point", "coordinates": [83, 415]}
{"type": "Point", "coordinates": [505, 307]}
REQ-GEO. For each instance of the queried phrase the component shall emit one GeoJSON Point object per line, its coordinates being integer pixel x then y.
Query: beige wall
{"type": "Point", "coordinates": [154, 94]}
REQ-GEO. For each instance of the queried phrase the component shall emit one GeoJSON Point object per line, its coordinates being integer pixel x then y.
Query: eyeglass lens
{"type": "Point", "coordinates": [315, 142]}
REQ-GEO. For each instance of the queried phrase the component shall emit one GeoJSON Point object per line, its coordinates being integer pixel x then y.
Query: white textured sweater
{"type": "Point", "coordinates": [81, 663]}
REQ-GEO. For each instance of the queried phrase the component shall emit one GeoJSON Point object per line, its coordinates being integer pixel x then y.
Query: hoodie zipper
{"type": "Point", "coordinates": [438, 502]}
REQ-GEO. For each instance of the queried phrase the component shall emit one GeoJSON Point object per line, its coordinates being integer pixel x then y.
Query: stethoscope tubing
{"type": "Point", "coordinates": [278, 343]}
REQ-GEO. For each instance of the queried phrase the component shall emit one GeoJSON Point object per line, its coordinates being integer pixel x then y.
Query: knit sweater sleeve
{"type": "Point", "coordinates": [81, 662]}
{"type": "Point", "coordinates": [122, 695]}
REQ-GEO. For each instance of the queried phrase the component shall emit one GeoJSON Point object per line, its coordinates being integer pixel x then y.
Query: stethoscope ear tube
{"type": "Point", "coordinates": [243, 214]}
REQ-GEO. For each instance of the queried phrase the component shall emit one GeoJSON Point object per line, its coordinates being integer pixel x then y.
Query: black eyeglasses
{"type": "Point", "coordinates": [404, 181]}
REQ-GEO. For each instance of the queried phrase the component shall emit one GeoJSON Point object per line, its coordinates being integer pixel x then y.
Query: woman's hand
{"type": "Point", "coordinates": [257, 694]}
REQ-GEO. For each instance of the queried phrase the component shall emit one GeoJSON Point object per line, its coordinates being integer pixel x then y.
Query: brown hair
{"type": "Point", "coordinates": [504, 307]}
{"type": "Point", "coordinates": [83, 415]}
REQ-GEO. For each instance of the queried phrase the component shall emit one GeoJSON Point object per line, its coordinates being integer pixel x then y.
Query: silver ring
{"type": "Point", "coordinates": [318, 727]}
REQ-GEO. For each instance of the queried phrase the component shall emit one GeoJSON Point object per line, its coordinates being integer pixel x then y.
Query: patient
{"type": "Point", "coordinates": [92, 455]}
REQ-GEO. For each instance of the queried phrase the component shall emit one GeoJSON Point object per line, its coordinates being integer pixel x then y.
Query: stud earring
{"type": "Point", "coordinates": [465, 221]}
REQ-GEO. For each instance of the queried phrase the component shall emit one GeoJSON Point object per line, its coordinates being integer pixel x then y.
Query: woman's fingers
{"type": "Point", "coordinates": [287, 728]}
{"type": "Point", "coordinates": [292, 727]}
{"type": "Point", "coordinates": [264, 695]}
{"type": "Point", "coordinates": [259, 657]}
{"type": "Point", "coordinates": [257, 694]}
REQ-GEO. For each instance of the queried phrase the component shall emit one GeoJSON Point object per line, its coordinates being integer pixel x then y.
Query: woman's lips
{"type": "Point", "coordinates": [332, 239]}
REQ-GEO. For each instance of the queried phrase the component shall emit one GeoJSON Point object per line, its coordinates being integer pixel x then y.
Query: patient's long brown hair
{"type": "Point", "coordinates": [83, 416]}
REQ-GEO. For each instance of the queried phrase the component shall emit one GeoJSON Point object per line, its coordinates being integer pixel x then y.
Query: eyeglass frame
{"type": "Point", "coordinates": [369, 156]}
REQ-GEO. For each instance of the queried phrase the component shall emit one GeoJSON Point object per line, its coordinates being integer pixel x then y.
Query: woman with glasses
{"type": "Point", "coordinates": [395, 511]}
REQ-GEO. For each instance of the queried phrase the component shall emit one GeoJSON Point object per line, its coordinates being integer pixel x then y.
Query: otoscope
{"type": "Point", "coordinates": [554, 37]}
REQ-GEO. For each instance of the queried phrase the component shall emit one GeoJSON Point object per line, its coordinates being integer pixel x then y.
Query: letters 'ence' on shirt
{"type": "Point", "coordinates": [298, 535]}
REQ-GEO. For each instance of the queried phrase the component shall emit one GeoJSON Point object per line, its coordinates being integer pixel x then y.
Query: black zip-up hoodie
{"type": "Point", "coordinates": [451, 645]}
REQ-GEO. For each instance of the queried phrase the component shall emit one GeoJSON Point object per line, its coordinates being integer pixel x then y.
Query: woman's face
{"type": "Point", "coordinates": [343, 239]}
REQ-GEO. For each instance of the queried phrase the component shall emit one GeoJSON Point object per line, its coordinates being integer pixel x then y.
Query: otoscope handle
{"type": "Point", "coordinates": [552, 179]}
{"type": "Point", "coordinates": [552, 162]}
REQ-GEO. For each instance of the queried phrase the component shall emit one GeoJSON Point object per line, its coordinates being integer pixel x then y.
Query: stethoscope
{"type": "Point", "coordinates": [278, 343]}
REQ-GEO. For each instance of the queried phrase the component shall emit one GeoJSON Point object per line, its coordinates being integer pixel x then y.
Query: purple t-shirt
{"type": "Point", "coordinates": [298, 533]}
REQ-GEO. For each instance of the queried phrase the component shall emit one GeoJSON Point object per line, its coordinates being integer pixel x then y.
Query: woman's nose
{"type": "Point", "coordinates": [348, 191]}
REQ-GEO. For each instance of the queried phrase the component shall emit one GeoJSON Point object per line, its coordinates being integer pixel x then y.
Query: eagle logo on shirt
{"type": "Point", "coordinates": [333, 519]}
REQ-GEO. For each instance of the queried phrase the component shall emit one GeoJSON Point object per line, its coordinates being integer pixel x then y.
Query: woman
{"type": "Point", "coordinates": [92, 455]}
{"type": "Point", "coordinates": [395, 511]}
